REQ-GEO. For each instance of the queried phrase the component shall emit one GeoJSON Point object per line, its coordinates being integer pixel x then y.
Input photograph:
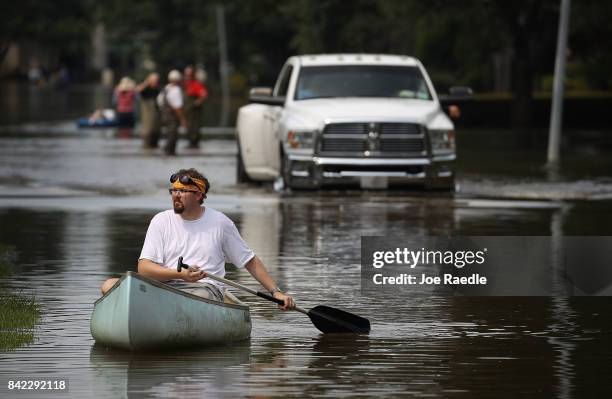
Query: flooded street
{"type": "Point", "coordinates": [75, 207]}
{"type": "Point", "coordinates": [465, 251]}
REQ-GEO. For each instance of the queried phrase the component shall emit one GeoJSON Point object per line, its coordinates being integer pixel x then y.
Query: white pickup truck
{"type": "Point", "coordinates": [347, 118]}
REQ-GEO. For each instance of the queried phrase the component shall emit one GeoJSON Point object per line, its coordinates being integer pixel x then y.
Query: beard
{"type": "Point", "coordinates": [179, 207]}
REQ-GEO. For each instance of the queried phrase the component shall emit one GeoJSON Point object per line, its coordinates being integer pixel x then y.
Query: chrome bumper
{"type": "Point", "coordinates": [413, 168]}
{"type": "Point", "coordinates": [371, 161]}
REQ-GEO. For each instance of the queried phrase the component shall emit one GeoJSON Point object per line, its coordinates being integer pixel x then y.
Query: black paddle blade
{"type": "Point", "coordinates": [331, 320]}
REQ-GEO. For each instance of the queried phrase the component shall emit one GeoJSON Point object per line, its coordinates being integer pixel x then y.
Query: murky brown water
{"type": "Point", "coordinates": [422, 346]}
{"type": "Point", "coordinates": [76, 210]}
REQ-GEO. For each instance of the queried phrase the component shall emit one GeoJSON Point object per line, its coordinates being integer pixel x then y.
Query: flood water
{"type": "Point", "coordinates": [76, 208]}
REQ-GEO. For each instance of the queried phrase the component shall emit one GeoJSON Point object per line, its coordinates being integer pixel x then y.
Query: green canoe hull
{"type": "Point", "coordinates": [140, 313]}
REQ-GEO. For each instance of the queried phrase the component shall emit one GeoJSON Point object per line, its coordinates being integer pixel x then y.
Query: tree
{"type": "Point", "coordinates": [464, 38]}
{"type": "Point", "coordinates": [62, 25]}
{"type": "Point", "coordinates": [589, 26]}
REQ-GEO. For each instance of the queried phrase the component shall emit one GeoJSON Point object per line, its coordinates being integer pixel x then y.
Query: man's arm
{"type": "Point", "coordinates": [257, 269]}
{"type": "Point", "coordinates": [157, 272]}
{"type": "Point", "coordinates": [142, 85]}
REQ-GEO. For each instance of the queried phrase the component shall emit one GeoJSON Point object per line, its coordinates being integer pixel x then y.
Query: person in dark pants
{"type": "Point", "coordinates": [171, 102]}
{"type": "Point", "coordinates": [149, 90]}
{"type": "Point", "coordinates": [195, 94]}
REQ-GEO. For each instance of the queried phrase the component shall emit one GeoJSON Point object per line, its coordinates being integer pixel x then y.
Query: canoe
{"type": "Point", "coordinates": [141, 313]}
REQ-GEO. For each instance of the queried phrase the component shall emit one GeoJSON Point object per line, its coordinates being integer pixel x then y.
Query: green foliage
{"type": "Point", "coordinates": [461, 40]}
{"type": "Point", "coordinates": [60, 24]}
{"type": "Point", "coordinates": [259, 35]}
{"type": "Point", "coordinates": [330, 26]}
{"type": "Point", "coordinates": [10, 340]}
{"type": "Point", "coordinates": [19, 313]}
{"type": "Point", "coordinates": [589, 48]}
{"type": "Point", "coordinates": [174, 32]}
{"type": "Point", "coordinates": [18, 317]}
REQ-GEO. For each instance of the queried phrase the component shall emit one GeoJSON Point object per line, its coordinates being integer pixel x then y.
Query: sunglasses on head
{"type": "Point", "coordinates": [184, 179]}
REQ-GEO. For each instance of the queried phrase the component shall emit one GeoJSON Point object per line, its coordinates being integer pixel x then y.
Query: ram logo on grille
{"type": "Point", "coordinates": [373, 138]}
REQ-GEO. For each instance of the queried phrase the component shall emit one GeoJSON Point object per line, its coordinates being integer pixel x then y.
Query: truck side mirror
{"type": "Point", "coordinates": [260, 91]}
{"type": "Point", "coordinates": [263, 95]}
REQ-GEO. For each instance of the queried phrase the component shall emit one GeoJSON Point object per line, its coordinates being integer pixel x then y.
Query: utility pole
{"type": "Point", "coordinates": [554, 135]}
{"type": "Point", "coordinates": [223, 68]}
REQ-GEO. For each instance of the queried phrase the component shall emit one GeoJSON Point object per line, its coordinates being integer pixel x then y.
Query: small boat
{"type": "Point", "coordinates": [141, 313]}
{"type": "Point", "coordinates": [98, 123]}
{"type": "Point", "coordinates": [100, 118]}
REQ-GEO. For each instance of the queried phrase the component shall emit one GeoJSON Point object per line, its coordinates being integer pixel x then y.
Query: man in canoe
{"type": "Point", "coordinates": [204, 237]}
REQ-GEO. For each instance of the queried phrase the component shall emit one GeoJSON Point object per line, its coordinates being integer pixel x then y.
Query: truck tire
{"type": "Point", "coordinates": [446, 184]}
{"type": "Point", "coordinates": [241, 175]}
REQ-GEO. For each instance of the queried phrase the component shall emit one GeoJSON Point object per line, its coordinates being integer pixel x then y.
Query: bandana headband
{"type": "Point", "coordinates": [199, 184]}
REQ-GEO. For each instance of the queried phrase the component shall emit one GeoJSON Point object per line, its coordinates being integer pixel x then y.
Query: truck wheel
{"type": "Point", "coordinates": [241, 175]}
{"type": "Point", "coordinates": [447, 184]}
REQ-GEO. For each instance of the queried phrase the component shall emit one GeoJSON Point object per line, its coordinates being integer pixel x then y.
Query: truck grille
{"type": "Point", "coordinates": [380, 139]}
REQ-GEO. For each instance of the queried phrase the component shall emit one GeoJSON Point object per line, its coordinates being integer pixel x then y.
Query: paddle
{"type": "Point", "coordinates": [325, 318]}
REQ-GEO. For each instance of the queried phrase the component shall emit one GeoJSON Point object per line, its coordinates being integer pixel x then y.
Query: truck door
{"type": "Point", "coordinates": [253, 125]}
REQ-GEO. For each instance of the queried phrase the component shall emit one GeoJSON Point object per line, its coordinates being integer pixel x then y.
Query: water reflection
{"type": "Point", "coordinates": [562, 328]}
{"type": "Point", "coordinates": [35, 235]}
{"type": "Point", "coordinates": [21, 103]}
{"type": "Point", "coordinates": [173, 374]}
{"type": "Point", "coordinates": [125, 234]}
{"type": "Point", "coordinates": [435, 346]}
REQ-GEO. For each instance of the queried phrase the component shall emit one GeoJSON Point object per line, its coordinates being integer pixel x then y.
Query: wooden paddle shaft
{"type": "Point", "coordinates": [260, 294]}
{"type": "Point", "coordinates": [325, 318]}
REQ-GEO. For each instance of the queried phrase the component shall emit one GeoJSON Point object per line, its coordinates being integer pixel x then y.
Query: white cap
{"type": "Point", "coordinates": [174, 76]}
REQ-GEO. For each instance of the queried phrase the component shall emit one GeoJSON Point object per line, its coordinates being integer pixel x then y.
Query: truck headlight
{"type": "Point", "coordinates": [297, 140]}
{"type": "Point", "coordinates": [442, 140]}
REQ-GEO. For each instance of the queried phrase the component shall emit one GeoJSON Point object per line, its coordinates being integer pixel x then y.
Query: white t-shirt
{"type": "Point", "coordinates": [207, 242]}
{"type": "Point", "coordinates": [174, 96]}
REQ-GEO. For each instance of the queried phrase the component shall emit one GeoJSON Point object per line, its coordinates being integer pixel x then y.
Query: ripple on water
{"type": "Point", "coordinates": [420, 345]}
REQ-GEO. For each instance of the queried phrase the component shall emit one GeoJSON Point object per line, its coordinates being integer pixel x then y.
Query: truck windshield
{"type": "Point", "coordinates": [361, 81]}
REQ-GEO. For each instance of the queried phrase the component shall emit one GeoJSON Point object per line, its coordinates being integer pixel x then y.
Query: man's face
{"type": "Point", "coordinates": [185, 200]}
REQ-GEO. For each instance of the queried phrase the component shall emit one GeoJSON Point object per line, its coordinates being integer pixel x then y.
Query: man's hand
{"type": "Point", "coordinates": [289, 302]}
{"type": "Point", "coordinates": [192, 274]}
{"type": "Point", "coordinates": [258, 270]}
{"type": "Point", "coordinates": [454, 111]}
